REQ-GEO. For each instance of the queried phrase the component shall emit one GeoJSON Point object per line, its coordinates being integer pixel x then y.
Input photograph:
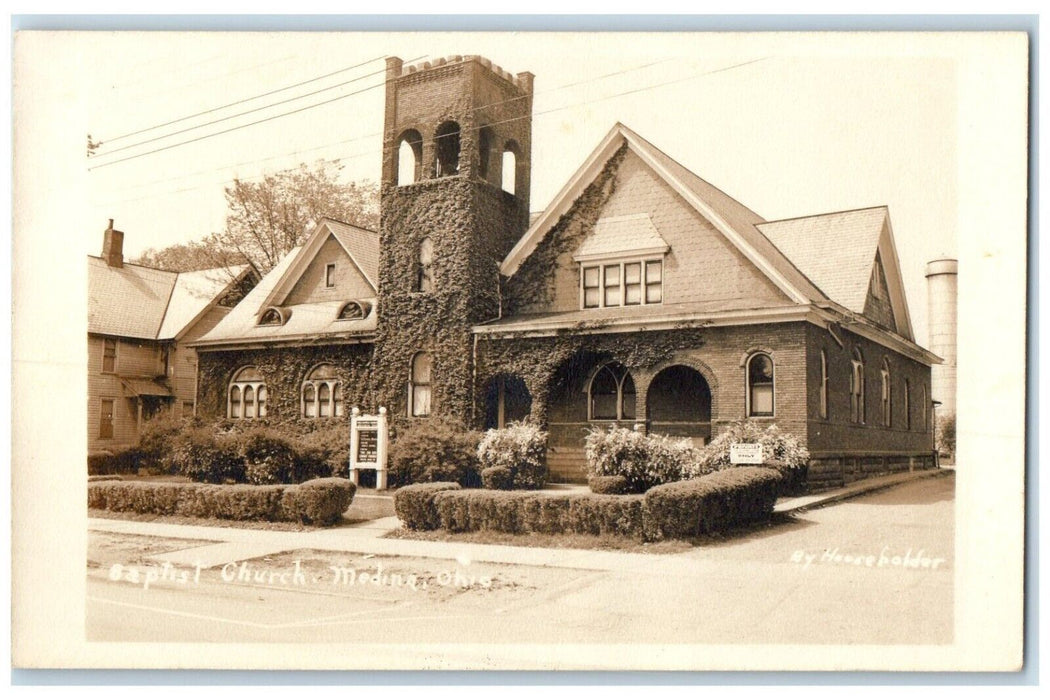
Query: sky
{"type": "Point", "coordinates": [787, 125]}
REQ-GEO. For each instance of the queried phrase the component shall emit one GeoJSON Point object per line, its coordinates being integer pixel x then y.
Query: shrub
{"type": "Point", "coordinates": [946, 434]}
{"type": "Point", "coordinates": [122, 462]}
{"type": "Point", "coordinates": [321, 501]}
{"type": "Point", "coordinates": [521, 450]}
{"type": "Point", "coordinates": [433, 450]}
{"type": "Point", "coordinates": [525, 512]}
{"type": "Point", "coordinates": [202, 456]}
{"type": "Point", "coordinates": [608, 484]}
{"type": "Point", "coordinates": [414, 504]}
{"type": "Point", "coordinates": [643, 460]}
{"type": "Point", "coordinates": [324, 501]}
{"type": "Point", "coordinates": [158, 440]}
{"type": "Point", "coordinates": [711, 503]}
{"type": "Point", "coordinates": [498, 478]}
{"type": "Point", "coordinates": [324, 451]}
{"type": "Point", "coordinates": [104, 477]}
{"type": "Point", "coordinates": [781, 451]}
{"type": "Point", "coordinates": [268, 457]}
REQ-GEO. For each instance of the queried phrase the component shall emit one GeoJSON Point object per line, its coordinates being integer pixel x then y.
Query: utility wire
{"type": "Point", "coordinates": [234, 104]}
{"type": "Point", "coordinates": [380, 133]}
{"type": "Point", "coordinates": [372, 153]}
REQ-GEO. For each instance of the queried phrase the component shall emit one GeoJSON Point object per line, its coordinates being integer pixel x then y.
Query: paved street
{"type": "Point", "coordinates": [875, 570]}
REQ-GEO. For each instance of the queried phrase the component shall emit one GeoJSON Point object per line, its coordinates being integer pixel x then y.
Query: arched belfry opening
{"type": "Point", "coordinates": [446, 146]}
{"type": "Point", "coordinates": [409, 157]}
{"type": "Point", "coordinates": [511, 159]}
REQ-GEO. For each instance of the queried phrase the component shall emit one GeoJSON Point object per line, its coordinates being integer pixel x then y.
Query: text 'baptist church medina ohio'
{"type": "Point", "coordinates": [642, 296]}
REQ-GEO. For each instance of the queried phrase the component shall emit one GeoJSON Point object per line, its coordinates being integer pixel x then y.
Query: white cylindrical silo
{"type": "Point", "coordinates": [942, 289]}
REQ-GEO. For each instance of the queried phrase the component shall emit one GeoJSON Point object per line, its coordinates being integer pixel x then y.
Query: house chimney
{"type": "Point", "coordinates": [113, 246]}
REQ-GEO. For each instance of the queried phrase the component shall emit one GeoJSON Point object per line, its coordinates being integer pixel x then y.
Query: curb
{"type": "Point", "coordinates": [862, 489]}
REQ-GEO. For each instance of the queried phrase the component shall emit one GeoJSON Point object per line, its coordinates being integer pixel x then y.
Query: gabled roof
{"type": "Point", "coordinates": [837, 251]}
{"type": "Point", "coordinates": [305, 322]}
{"type": "Point", "coordinates": [134, 301]}
{"type": "Point", "coordinates": [360, 244]}
{"type": "Point", "coordinates": [732, 218]}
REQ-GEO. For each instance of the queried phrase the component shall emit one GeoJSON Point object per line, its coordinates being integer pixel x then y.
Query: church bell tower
{"type": "Point", "coordinates": [457, 145]}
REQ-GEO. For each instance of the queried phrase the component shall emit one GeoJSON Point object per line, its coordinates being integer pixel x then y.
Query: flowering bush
{"type": "Point", "coordinates": [781, 451]}
{"type": "Point", "coordinates": [521, 450]}
{"type": "Point", "coordinates": [643, 460]}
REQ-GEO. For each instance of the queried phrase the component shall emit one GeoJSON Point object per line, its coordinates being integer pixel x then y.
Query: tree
{"type": "Point", "coordinates": [204, 254]}
{"type": "Point", "coordinates": [266, 219]}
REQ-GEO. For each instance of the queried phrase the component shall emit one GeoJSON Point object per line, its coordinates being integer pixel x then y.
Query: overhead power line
{"type": "Point", "coordinates": [372, 153]}
{"type": "Point", "coordinates": [380, 133]}
{"type": "Point", "coordinates": [238, 102]}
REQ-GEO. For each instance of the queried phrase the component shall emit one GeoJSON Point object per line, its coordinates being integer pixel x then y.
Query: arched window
{"type": "Point", "coordinates": [353, 311]}
{"type": "Point", "coordinates": [612, 394]}
{"type": "Point", "coordinates": [823, 384]}
{"type": "Point", "coordinates": [760, 385]}
{"type": "Point", "coordinates": [419, 386]}
{"type": "Point", "coordinates": [856, 388]}
{"type": "Point", "coordinates": [322, 395]}
{"type": "Point", "coordinates": [907, 405]}
{"type": "Point", "coordinates": [510, 167]}
{"type": "Point", "coordinates": [271, 317]}
{"type": "Point", "coordinates": [886, 397]}
{"type": "Point", "coordinates": [409, 154]}
{"type": "Point", "coordinates": [446, 142]}
{"type": "Point", "coordinates": [246, 397]}
{"type": "Point", "coordinates": [424, 281]}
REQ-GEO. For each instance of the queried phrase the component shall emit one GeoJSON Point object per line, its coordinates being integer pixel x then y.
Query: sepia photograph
{"type": "Point", "coordinates": [520, 351]}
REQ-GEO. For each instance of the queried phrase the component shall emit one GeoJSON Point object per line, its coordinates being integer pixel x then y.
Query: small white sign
{"type": "Point", "coordinates": [745, 453]}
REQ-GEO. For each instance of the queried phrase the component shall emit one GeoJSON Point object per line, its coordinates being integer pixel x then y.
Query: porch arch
{"type": "Point", "coordinates": [680, 402]}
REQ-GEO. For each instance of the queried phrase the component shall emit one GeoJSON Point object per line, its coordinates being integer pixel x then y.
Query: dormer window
{"type": "Point", "coordinates": [354, 311]}
{"type": "Point", "coordinates": [626, 283]}
{"type": "Point", "coordinates": [621, 263]}
{"type": "Point", "coordinates": [272, 317]}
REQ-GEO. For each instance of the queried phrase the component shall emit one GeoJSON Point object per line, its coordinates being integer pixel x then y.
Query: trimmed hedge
{"type": "Point", "coordinates": [414, 504]}
{"type": "Point", "coordinates": [712, 503]}
{"type": "Point", "coordinates": [615, 485]}
{"type": "Point", "coordinates": [685, 509]}
{"type": "Point", "coordinates": [552, 514]}
{"type": "Point", "coordinates": [320, 501]}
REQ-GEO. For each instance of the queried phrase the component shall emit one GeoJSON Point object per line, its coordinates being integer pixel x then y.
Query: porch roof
{"type": "Point", "coordinates": [652, 317]}
{"type": "Point", "coordinates": [144, 386]}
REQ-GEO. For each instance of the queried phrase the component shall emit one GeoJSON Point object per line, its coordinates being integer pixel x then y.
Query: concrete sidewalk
{"type": "Point", "coordinates": [221, 545]}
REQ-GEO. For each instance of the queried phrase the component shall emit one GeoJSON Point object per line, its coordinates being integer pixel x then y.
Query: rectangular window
{"type": "Point", "coordinates": [109, 355]}
{"type": "Point", "coordinates": [591, 288]}
{"type": "Point", "coordinates": [329, 275]}
{"type": "Point", "coordinates": [612, 285]}
{"type": "Point", "coordinates": [105, 422]}
{"type": "Point", "coordinates": [622, 284]}
{"type": "Point", "coordinates": [654, 282]}
{"type": "Point", "coordinates": [632, 284]}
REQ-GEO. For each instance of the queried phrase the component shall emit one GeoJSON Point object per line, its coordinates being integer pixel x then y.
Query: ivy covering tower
{"type": "Point", "coordinates": [455, 200]}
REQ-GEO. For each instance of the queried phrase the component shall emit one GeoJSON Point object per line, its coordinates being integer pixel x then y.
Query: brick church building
{"type": "Point", "coordinates": [642, 296]}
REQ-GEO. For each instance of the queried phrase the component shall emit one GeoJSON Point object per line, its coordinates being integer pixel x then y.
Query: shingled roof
{"type": "Point", "coordinates": [134, 301]}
